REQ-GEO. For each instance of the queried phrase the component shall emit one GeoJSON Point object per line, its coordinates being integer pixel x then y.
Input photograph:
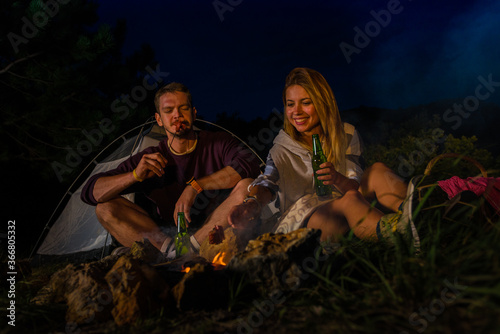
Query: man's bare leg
{"type": "Point", "coordinates": [220, 214]}
{"type": "Point", "coordinates": [128, 222]}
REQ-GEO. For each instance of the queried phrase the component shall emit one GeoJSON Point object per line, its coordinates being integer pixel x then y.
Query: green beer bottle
{"type": "Point", "coordinates": [182, 242]}
{"type": "Point", "coordinates": [317, 159]}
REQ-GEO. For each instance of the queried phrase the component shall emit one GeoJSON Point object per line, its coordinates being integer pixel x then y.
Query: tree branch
{"type": "Point", "coordinates": [6, 68]}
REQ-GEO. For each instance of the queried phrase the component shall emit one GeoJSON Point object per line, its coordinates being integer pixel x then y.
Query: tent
{"type": "Point", "coordinates": [76, 234]}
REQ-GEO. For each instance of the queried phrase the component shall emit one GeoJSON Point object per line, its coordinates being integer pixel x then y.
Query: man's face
{"type": "Point", "coordinates": [176, 115]}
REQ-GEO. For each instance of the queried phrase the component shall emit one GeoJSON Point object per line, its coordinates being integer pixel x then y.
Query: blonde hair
{"type": "Point", "coordinates": [321, 94]}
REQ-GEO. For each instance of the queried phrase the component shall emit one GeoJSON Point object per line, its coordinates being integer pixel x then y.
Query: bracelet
{"type": "Point", "coordinates": [195, 185]}
{"type": "Point", "coordinates": [137, 176]}
{"type": "Point", "coordinates": [253, 198]}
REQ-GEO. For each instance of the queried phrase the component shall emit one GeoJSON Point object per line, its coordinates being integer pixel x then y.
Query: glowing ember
{"type": "Point", "coordinates": [186, 270]}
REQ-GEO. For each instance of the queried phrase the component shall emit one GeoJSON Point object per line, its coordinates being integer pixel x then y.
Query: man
{"type": "Point", "coordinates": [187, 164]}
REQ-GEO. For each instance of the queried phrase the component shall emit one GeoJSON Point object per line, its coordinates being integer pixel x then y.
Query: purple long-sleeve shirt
{"type": "Point", "coordinates": [214, 151]}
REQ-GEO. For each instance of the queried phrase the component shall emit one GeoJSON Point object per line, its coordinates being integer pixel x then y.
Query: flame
{"type": "Point", "coordinates": [219, 259]}
{"type": "Point", "coordinates": [217, 262]}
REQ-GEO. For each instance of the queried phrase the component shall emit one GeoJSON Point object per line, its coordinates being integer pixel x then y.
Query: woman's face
{"type": "Point", "coordinates": [300, 111]}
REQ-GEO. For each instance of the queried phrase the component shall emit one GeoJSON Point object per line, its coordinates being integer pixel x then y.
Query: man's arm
{"type": "Point", "coordinates": [225, 178]}
{"type": "Point", "coordinates": [109, 187]}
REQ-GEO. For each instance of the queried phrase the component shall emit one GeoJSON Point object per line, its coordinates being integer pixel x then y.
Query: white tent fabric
{"type": "Point", "coordinates": [77, 228]}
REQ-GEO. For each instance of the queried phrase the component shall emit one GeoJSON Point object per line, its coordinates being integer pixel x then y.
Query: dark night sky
{"type": "Point", "coordinates": [427, 50]}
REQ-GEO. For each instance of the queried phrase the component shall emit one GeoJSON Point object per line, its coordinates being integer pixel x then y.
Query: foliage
{"type": "Point", "coordinates": [414, 143]}
{"type": "Point", "coordinates": [59, 74]}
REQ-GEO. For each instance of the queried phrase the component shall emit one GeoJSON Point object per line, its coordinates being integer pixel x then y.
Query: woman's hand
{"type": "Point", "coordinates": [331, 177]}
{"type": "Point", "coordinates": [244, 215]}
{"type": "Point", "coordinates": [328, 174]}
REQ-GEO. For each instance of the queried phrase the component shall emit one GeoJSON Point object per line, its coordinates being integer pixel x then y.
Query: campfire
{"type": "Point", "coordinates": [137, 285]}
{"type": "Point", "coordinates": [217, 263]}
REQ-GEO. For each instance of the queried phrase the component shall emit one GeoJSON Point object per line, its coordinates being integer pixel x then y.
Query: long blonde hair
{"type": "Point", "coordinates": [333, 134]}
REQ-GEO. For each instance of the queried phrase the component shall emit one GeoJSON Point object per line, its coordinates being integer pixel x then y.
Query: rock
{"type": "Point", "coordinates": [276, 262]}
{"type": "Point", "coordinates": [55, 290]}
{"type": "Point", "coordinates": [201, 288]}
{"type": "Point", "coordinates": [66, 280]}
{"type": "Point", "coordinates": [146, 252]}
{"type": "Point", "coordinates": [88, 296]}
{"type": "Point", "coordinates": [136, 288]}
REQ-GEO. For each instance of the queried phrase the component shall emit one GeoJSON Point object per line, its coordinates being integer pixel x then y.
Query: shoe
{"type": "Point", "coordinates": [120, 250]}
{"type": "Point", "coordinates": [402, 222]}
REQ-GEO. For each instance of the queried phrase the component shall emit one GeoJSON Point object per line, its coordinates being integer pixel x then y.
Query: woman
{"type": "Point", "coordinates": [310, 108]}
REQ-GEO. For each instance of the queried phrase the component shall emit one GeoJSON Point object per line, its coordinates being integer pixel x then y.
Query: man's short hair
{"type": "Point", "coordinates": [172, 88]}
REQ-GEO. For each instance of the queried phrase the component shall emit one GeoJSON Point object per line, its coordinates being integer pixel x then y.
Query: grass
{"type": "Point", "coordinates": [452, 286]}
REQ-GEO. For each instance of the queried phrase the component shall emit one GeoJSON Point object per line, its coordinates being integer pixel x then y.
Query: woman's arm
{"type": "Point", "coordinates": [243, 215]}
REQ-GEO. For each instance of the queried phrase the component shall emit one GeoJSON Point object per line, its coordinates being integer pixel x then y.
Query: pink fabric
{"type": "Point", "coordinates": [487, 186]}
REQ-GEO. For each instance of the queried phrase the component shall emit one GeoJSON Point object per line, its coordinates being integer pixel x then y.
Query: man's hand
{"type": "Point", "coordinates": [151, 165]}
{"type": "Point", "coordinates": [244, 215]}
{"type": "Point", "coordinates": [185, 202]}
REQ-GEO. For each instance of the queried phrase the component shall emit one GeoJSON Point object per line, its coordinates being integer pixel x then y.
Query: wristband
{"type": "Point", "coordinates": [253, 198]}
{"type": "Point", "coordinates": [195, 185]}
{"type": "Point", "coordinates": [137, 176]}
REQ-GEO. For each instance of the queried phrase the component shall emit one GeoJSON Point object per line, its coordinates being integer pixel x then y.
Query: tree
{"type": "Point", "coordinates": [64, 94]}
{"type": "Point", "coordinates": [60, 74]}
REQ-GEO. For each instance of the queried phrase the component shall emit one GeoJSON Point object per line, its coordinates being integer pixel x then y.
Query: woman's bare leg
{"type": "Point", "coordinates": [351, 211]}
{"type": "Point", "coordinates": [381, 183]}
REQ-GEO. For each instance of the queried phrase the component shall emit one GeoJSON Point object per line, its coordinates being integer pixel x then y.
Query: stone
{"type": "Point", "coordinates": [66, 280]}
{"type": "Point", "coordinates": [88, 296]}
{"type": "Point", "coordinates": [136, 289]}
{"type": "Point", "coordinates": [145, 251]}
{"type": "Point", "coordinates": [277, 262]}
